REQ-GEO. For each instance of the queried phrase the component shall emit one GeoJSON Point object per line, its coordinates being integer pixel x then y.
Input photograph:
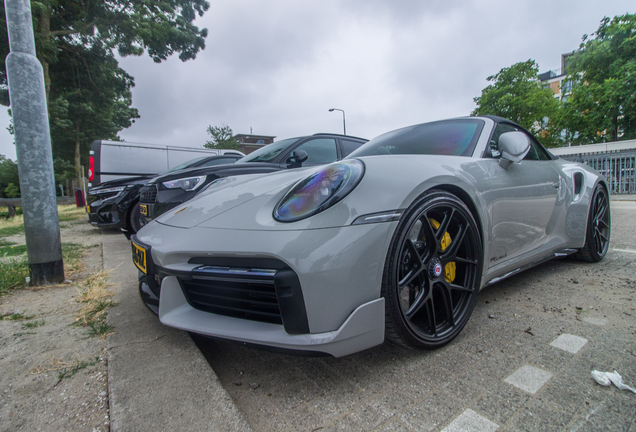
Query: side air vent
{"type": "Point", "coordinates": [578, 182]}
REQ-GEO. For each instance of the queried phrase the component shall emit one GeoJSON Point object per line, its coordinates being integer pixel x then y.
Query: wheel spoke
{"type": "Point", "coordinates": [456, 287]}
{"type": "Point", "coordinates": [415, 307]}
{"type": "Point", "coordinates": [451, 252]}
{"type": "Point", "coordinates": [416, 262]}
{"type": "Point", "coordinates": [443, 226]}
{"type": "Point", "coordinates": [447, 303]}
{"type": "Point", "coordinates": [464, 260]}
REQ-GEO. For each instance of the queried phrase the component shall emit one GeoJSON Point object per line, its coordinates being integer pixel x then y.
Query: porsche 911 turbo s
{"type": "Point", "coordinates": [394, 242]}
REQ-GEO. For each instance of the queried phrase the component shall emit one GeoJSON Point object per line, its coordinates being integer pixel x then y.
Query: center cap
{"type": "Point", "coordinates": [435, 268]}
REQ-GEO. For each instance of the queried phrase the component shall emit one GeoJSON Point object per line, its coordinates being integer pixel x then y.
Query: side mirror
{"type": "Point", "coordinates": [297, 158]}
{"type": "Point", "coordinates": [514, 146]}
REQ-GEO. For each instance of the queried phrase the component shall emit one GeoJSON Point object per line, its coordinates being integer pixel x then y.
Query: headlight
{"type": "Point", "coordinates": [187, 184]}
{"type": "Point", "coordinates": [319, 191]}
{"type": "Point", "coordinates": [107, 190]}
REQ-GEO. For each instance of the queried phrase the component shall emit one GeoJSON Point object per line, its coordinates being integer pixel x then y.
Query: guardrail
{"type": "Point", "coordinates": [618, 168]}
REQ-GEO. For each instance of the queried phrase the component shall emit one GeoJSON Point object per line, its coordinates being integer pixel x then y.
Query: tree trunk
{"type": "Point", "coordinates": [78, 161]}
{"type": "Point", "coordinates": [44, 29]}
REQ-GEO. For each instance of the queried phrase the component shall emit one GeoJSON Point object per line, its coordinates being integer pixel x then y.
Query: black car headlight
{"type": "Point", "coordinates": [187, 184]}
{"type": "Point", "coordinates": [319, 191]}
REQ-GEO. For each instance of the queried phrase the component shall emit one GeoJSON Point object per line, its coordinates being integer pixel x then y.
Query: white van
{"type": "Point", "coordinates": [111, 160]}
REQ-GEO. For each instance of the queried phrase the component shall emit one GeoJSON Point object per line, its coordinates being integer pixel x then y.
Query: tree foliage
{"type": "Point", "coordinates": [88, 94]}
{"type": "Point", "coordinates": [222, 138]}
{"type": "Point", "coordinates": [516, 94]}
{"type": "Point", "coordinates": [8, 174]}
{"type": "Point", "coordinates": [602, 103]}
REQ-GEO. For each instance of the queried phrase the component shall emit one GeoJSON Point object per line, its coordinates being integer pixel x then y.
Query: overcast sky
{"type": "Point", "coordinates": [275, 67]}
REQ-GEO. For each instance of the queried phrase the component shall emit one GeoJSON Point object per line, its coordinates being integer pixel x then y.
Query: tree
{"type": "Point", "coordinates": [517, 94]}
{"type": "Point", "coordinates": [8, 173]}
{"type": "Point", "coordinates": [222, 138]}
{"type": "Point", "coordinates": [12, 191]}
{"type": "Point", "coordinates": [602, 72]}
{"type": "Point", "coordinates": [87, 93]}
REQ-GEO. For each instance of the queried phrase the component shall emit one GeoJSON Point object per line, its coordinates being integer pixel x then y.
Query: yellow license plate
{"type": "Point", "coordinates": [139, 257]}
{"type": "Point", "coordinates": [144, 209]}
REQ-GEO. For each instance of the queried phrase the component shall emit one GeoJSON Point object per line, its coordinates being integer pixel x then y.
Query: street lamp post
{"type": "Point", "coordinates": [344, 124]}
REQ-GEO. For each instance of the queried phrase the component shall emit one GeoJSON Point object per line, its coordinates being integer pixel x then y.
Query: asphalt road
{"type": "Point", "coordinates": [523, 362]}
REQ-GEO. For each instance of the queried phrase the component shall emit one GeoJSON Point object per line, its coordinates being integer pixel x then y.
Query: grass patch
{"type": "Point", "coordinates": [65, 213]}
{"type": "Point", "coordinates": [13, 272]}
{"type": "Point", "coordinates": [11, 227]}
{"type": "Point", "coordinates": [33, 324]}
{"type": "Point", "coordinates": [4, 213]}
{"type": "Point", "coordinates": [23, 334]}
{"type": "Point", "coordinates": [11, 251]}
{"type": "Point", "coordinates": [68, 213]}
{"type": "Point", "coordinates": [15, 317]}
{"type": "Point", "coordinates": [67, 373]}
{"type": "Point", "coordinates": [96, 298]}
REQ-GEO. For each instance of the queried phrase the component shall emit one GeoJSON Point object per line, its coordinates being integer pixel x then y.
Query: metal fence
{"type": "Point", "coordinates": [617, 167]}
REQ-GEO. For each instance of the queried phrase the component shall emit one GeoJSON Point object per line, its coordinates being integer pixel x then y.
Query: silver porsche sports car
{"type": "Point", "coordinates": [395, 241]}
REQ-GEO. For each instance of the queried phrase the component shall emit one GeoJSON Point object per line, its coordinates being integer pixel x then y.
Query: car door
{"type": "Point", "coordinates": [522, 201]}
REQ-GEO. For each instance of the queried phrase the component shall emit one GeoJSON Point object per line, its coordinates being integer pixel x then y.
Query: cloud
{"type": "Point", "coordinates": [278, 66]}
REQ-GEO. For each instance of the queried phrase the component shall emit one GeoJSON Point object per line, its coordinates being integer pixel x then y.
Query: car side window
{"type": "Point", "coordinates": [320, 151]}
{"type": "Point", "coordinates": [501, 128]}
{"type": "Point", "coordinates": [536, 152]}
{"type": "Point", "coordinates": [349, 146]}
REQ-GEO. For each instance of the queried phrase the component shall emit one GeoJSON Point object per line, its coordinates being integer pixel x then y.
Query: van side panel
{"type": "Point", "coordinates": [115, 159]}
{"type": "Point", "coordinates": [127, 160]}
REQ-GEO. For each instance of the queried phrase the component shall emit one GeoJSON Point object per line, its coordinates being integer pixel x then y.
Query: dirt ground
{"type": "Point", "coordinates": [54, 376]}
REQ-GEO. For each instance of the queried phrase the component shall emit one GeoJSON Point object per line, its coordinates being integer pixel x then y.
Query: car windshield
{"type": "Point", "coordinates": [268, 152]}
{"type": "Point", "coordinates": [449, 137]}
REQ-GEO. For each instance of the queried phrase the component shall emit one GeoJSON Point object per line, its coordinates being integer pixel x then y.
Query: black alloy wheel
{"type": "Point", "coordinates": [433, 272]}
{"type": "Point", "coordinates": [597, 236]}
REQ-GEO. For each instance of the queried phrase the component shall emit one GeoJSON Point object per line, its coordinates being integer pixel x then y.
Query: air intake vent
{"type": "Point", "coordinates": [148, 194]}
{"type": "Point", "coordinates": [246, 293]}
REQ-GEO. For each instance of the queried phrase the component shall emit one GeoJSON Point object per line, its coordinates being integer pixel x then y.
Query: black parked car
{"type": "Point", "coordinates": [115, 203]}
{"type": "Point", "coordinates": [169, 190]}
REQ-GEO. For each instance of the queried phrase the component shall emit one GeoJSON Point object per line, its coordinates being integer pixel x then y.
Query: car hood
{"type": "Point", "coordinates": [142, 180]}
{"type": "Point", "coordinates": [389, 183]}
{"type": "Point", "coordinates": [219, 171]}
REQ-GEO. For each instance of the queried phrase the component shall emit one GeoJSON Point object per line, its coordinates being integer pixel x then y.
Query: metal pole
{"type": "Point", "coordinates": [344, 123]}
{"type": "Point", "coordinates": [33, 148]}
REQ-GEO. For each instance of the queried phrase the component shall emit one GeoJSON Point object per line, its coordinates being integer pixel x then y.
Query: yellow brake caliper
{"type": "Point", "coordinates": [449, 268]}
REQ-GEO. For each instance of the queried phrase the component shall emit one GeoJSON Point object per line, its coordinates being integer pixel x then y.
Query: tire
{"type": "Point", "coordinates": [433, 271]}
{"type": "Point", "coordinates": [598, 228]}
{"type": "Point", "coordinates": [134, 219]}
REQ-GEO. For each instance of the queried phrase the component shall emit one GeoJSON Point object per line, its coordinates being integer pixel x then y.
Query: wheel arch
{"type": "Point", "coordinates": [468, 201]}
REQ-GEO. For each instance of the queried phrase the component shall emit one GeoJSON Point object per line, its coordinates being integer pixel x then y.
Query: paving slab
{"type": "Point", "coordinates": [157, 378]}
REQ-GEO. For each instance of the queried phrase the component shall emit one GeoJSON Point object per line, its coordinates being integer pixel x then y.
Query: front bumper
{"type": "Point", "coordinates": [106, 215]}
{"type": "Point", "coordinates": [339, 271]}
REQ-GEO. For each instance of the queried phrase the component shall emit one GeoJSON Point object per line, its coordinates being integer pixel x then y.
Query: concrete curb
{"type": "Point", "coordinates": [157, 377]}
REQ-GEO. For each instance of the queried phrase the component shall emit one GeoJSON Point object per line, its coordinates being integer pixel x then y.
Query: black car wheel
{"type": "Point", "coordinates": [134, 219]}
{"type": "Point", "coordinates": [433, 272]}
{"type": "Point", "coordinates": [598, 230]}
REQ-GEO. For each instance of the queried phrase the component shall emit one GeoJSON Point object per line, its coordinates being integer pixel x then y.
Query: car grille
{"type": "Point", "coordinates": [246, 293]}
{"type": "Point", "coordinates": [148, 194]}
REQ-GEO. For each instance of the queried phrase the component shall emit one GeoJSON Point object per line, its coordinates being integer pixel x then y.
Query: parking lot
{"type": "Point", "coordinates": [523, 361]}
